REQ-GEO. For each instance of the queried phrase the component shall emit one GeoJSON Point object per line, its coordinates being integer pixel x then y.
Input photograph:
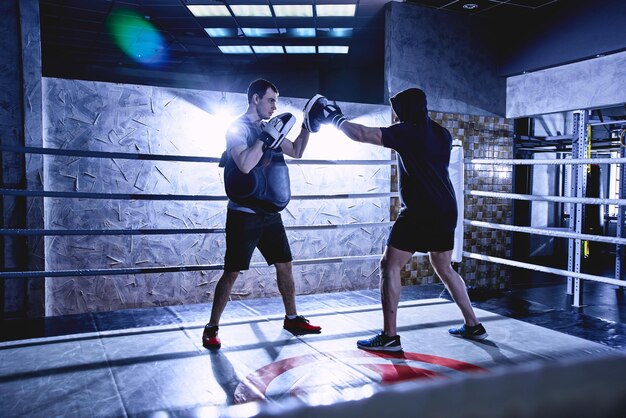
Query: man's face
{"type": "Point", "coordinates": [266, 105]}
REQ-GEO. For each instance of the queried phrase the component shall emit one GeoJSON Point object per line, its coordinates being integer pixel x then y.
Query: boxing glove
{"type": "Point", "coordinates": [332, 114]}
{"type": "Point", "coordinates": [275, 130]}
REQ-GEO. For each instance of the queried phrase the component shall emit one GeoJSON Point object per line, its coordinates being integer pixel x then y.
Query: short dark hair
{"type": "Point", "coordinates": [259, 87]}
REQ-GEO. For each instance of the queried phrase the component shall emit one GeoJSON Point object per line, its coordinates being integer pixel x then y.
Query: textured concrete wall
{"type": "Point", "coordinates": [20, 124]}
{"type": "Point", "coordinates": [127, 118]}
{"type": "Point", "coordinates": [448, 55]}
{"type": "Point", "coordinates": [32, 111]}
{"type": "Point", "coordinates": [599, 82]}
{"type": "Point", "coordinates": [12, 249]}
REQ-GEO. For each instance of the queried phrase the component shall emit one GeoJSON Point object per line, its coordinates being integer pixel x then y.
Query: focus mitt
{"type": "Point", "coordinates": [275, 130]}
{"type": "Point", "coordinates": [312, 111]}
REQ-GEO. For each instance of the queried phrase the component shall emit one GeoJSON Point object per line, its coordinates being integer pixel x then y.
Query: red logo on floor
{"type": "Point", "coordinates": [335, 371]}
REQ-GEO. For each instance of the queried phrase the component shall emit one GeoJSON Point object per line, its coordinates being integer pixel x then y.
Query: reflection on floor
{"type": "Point", "coordinates": [142, 361]}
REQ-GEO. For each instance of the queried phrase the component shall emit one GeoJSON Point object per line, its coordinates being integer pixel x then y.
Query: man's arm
{"type": "Point", "coordinates": [246, 158]}
{"type": "Point", "coordinates": [332, 114]}
{"type": "Point", "coordinates": [296, 148]}
{"type": "Point", "coordinates": [362, 133]}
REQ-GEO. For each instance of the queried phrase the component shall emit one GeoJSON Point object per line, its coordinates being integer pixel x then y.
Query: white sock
{"type": "Point", "coordinates": [292, 316]}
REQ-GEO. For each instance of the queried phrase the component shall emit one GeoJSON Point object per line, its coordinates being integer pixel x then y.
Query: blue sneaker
{"type": "Point", "coordinates": [380, 342]}
{"type": "Point", "coordinates": [476, 332]}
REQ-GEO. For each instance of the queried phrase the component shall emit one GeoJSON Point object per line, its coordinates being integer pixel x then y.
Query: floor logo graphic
{"type": "Point", "coordinates": [338, 370]}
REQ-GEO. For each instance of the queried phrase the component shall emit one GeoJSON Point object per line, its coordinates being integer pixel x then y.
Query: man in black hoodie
{"type": "Point", "coordinates": [428, 215]}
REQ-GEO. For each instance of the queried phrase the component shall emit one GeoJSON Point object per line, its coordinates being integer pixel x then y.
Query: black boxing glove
{"type": "Point", "coordinates": [332, 114]}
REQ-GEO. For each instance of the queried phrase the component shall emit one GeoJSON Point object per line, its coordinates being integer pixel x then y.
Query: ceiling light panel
{"type": "Point", "coordinates": [221, 32]}
{"type": "Point", "coordinates": [253, 10]}
{"type": "Point", "coordinates": [209, 11]}
{"type": "Point", "coordinates": [235, 49]}
{"type": "Point", "coordinates": [334, 32]}
{"type": "Point", "coordinates": [300, 49]}
{"type": "Point", "coordinates": [332, 49]}
{"type": "Point", "coordinates": [301, 32]}
{"type": "Point", "coordinates": [268, 49]}
{"type": "Point", "coordinates": [293, 10]}
{"type": "Point", "coordinates": [259, 32]}
{"type": "Point", "coordinates": [334, 10]}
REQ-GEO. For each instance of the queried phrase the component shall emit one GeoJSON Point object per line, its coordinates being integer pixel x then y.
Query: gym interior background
{"type": "Point", "coordinates": [506, 78]}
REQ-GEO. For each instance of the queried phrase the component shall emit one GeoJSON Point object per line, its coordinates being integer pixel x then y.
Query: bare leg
{"type": "Point", "coordinates": [286, 287]}
{"type": "Point", "coordinates": [222, 295]}
{"type": "Point", "coordinates": [390, 265]}
{"type": "Point", "coordinates": [442, 263]}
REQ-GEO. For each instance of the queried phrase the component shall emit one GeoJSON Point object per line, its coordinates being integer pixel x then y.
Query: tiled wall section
{"type": "Point", "coordinates": [482, 137]}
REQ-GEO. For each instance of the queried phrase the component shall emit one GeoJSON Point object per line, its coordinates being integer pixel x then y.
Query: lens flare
{"type": "Point", "coordinates": [137, 37]}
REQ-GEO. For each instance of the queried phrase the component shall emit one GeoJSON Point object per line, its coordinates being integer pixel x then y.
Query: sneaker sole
{"type": "Point", "coordinates": [391, 349]}
{"type": "Point", "coordinates": [471, 337]}
{"type": "Point", "coordinates": [309, 106]}
{"type": "Point", "coordinates": [303, 331]}
{"type": "Point", "coordinates": [212, 347]}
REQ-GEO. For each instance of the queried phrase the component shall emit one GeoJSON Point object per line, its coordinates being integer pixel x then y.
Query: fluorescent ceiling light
{"type": "Point", "coordinates": [301, 32]}
{"type": "Point", "coordinates": [268, 49]}
{"type": "Point", "coordinates": [326, 10]}
{"type": "Point", "coordinates": [256, 10]}
{"type": "Point", "coordinates": [208, 11]}
{"type": "Point", "coordinates": [259, 32]}
{"type": "Point", "coordinates": [300, 49]}
{"type": "Point", "coordinates": [335, 32]}
{"type": "Point", "coordinates": [235, 49]}
{"type": "Point", "coordinates": [332, 49]}
{"type": "Point", "coordinates": [220, 32]}
{"type": "Point", "coordinates": [293, 10]}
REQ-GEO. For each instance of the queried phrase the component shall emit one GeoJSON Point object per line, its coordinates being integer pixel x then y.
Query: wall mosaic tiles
{"type": "Point", "coordinates": [482, 137]}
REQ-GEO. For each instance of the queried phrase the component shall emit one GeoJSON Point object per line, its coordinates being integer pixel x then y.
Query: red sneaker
{"type": "Point", "coordinates": [301, 325]}
{"type": "Point", "coordinates": [210, 339]}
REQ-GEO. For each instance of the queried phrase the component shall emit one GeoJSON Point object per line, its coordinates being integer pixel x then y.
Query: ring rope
{"type": "Point", "coordinates": [176, 158]}
{"type": "Point", "coordinates": [548, 162]}
{"type": "Point", "coordinates": [170, 269]}
{"type": "Point", "coordinates": [544, 269]}
{"type": "Point", "coordinates": [613, 122]}
{"type": "Point", "coordinates": [559, 199]}
{"type": "Point", "coordinates": [146, 196]}
{"type": "Point", "coordinates": [187, 231]}
{"type": "Point", "coordinates": [547, 232]}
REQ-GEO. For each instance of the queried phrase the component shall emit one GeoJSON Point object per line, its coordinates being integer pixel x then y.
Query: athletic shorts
{"type": "Point", "coordinates": [247, 231]}
{"type": "Point", "coordinates": [410, 234]}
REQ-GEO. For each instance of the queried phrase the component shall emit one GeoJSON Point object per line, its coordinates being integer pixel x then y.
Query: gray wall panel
{"type": "Point", "coordinates": [599, 82]}
{"type": "Point", "coordinates": [20, 124]}
{"type": "Point", "coordinates": [32, 110]}
{"type": "Point", "coordinates": [448, 55]}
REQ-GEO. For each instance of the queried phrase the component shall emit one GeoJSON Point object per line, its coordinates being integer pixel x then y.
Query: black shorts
{"type": "Point", "coordinates": [247, 231]}
{"type": "Point", "coordinates": [411, 234]}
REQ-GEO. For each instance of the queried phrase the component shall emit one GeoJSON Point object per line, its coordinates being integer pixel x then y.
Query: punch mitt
{"type": "Point", "coordinates": [312, 111]}
{"type": "Point", "coordinates": [275, 130]}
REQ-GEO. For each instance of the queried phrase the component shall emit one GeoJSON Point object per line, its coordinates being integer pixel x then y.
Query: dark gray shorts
{"type": "Point", "coordinates": [247, 231]}
{"type": "Point", "coordinates": [411, 234]}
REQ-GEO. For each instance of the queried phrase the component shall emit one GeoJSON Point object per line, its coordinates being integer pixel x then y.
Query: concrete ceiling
{"type": "Point", "coordinates": [78, 40]}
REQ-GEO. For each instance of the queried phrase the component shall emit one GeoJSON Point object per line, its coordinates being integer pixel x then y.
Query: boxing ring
{"type": "Point", "coordinates": [116, 372]}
